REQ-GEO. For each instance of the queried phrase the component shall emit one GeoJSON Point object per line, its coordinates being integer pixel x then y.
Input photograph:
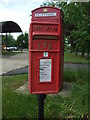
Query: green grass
{"type": "Point", "coordinates": [16, 105]}
{"type": "Point", "coordinates": [72, 58]}
{"type": "Point", "coordinates": [74, 106]}
{"type": "Point", "coordinates": [79, 76]}
{"type": "Point", "coordinates": [10, 53]}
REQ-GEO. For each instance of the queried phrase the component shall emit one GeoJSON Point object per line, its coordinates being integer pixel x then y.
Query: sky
{"type": "Point", "coordinates": [18, 11]}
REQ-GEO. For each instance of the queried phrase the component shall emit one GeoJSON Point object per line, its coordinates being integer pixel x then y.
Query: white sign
{"type": "Point", "coordinates": [45, 14]}
{"type": "Point", "coordinates": [45, 70]}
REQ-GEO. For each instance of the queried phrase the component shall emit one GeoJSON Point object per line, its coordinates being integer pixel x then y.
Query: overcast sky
{"type": "Point", "coordinates": [18, 11]}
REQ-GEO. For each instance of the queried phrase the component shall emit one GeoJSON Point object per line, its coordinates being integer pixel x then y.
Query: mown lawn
{"type": "Point", "coordinates": [10, 52]}
{"type": "Point", "coordinates": [16, 105]}
{"type": "Point", "coordinates": [72, 58]}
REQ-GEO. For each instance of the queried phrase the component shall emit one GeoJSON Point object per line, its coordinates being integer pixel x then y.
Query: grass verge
{"type": "Point", "coordinates": [16, 105]}
{"type": "Point", "coordinates": [10, 52]}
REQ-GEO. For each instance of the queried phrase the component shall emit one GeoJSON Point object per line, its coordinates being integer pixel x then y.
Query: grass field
{"type": "Point", "coordinates": [10, 52]}
{"type": "Point", "coordinates": [16, 105]}
{"type": "Point", "coordinates": [72, 58]}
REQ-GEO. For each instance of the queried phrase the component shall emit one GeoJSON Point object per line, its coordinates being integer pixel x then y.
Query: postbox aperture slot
{"type": "Point", "coordinates": [45, 37]}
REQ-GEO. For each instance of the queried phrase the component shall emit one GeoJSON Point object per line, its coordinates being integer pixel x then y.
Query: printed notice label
{"type": "Point", "coordinates": [45, 70]}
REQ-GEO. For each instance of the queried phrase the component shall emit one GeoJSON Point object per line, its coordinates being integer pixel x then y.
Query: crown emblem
{"type": "Point", "coordinates": [45, 10]}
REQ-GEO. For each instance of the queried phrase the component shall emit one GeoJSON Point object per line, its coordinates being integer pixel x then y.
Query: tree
{"type": "Point", "coordinates": [10, 40]}
{"type": "Point", "coordinates": [80, 32]}
{"type": "Point", "coordinates": [22, 40]}
{"type": "Point", "coordinates": [26, 39]}
{"type": "Point", "coordinates": [76, 19]}
{"type": "Point", "coordinates": [84, 28]}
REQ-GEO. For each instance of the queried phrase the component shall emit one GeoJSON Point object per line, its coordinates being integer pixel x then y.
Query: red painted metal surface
{"type": "Point", "coordinates": [46, 51]}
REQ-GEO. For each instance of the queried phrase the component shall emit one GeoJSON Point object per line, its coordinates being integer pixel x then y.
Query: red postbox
{"type": "Point", "coordinates": [46, 50]}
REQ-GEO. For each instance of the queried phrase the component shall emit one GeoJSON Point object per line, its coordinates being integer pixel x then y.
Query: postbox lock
{"type": "Point", "coordinates": [45, 54]}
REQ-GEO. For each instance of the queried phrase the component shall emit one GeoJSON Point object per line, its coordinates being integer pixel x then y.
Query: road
{"type": "Point", "coordinates": [18, 64]}
{"type": "Point", "coordinates": [24, 70]}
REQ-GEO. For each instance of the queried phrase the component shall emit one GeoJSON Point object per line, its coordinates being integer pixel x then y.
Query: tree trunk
{"type": "Point", "coordinates": [77, 51]}
{"type": "Point", "coordinates": [6, 41]}
{"type": "Point", "coordinates": [83, 52]}
{"type": "Point", "coordinates": [71, 49]}
{"type": "Point", "coordinates": [88, 53]}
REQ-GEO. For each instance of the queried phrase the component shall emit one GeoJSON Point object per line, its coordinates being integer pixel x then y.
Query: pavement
{"type": "Point", "coordinates": [18, 64]}
{"type": "Point", "coordinates": [13, 62]}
